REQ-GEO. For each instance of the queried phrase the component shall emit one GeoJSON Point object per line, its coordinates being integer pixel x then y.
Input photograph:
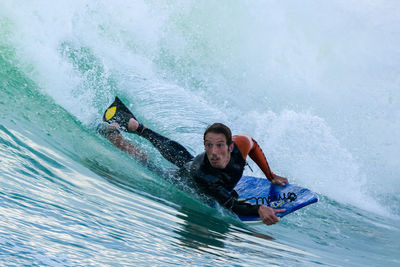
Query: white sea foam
{"type": "Point", "coordinates": [317, 83]}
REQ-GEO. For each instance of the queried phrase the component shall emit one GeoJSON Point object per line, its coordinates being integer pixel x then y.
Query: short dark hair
{"type": "Point", "coordinates": [219, 128]}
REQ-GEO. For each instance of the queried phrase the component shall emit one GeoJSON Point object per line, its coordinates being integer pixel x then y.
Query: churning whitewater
{"type": "Point", "coordinates": [315, 84]}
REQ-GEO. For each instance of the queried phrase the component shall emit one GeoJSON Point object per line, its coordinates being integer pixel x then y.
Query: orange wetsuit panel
{"type": "Point", "coordinates": [249, 146]}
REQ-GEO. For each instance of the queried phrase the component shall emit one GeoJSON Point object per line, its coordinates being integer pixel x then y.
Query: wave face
{"type": "Point", "coordinates": [315, 84]}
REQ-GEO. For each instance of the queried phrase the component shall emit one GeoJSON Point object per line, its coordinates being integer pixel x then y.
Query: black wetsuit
{"type": "Point", "coordinates": [217, 183]}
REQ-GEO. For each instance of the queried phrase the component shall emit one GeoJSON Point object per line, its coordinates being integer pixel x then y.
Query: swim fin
{"type": "Point", "coordinates": [119, 113]}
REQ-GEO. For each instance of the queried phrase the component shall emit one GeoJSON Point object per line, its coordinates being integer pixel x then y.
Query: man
{"type": "Point", "coordinates": [216, 171]}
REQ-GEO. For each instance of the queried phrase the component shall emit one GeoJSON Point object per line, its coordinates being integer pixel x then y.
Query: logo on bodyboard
{"type": "Point", "coordinates": [275, 201]}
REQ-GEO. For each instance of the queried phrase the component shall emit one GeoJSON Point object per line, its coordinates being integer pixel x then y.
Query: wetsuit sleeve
{"type": "Point", "coordinates": [249, 146]}
{"type": "Point", "coordinates": [212, 185]}
{"type": "Point", "coordinates": [257, 155]}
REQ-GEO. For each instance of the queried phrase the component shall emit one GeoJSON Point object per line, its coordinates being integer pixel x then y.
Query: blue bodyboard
{"type": "Point", "coordinates": [260, 190]}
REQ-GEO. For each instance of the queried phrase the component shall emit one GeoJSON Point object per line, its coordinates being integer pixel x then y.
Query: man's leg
{"type": "Point", "coordinates": [169, 149]}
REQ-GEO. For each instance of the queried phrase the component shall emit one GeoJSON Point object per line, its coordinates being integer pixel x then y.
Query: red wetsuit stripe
{"type": "Point", "coordinates": [254, 151]}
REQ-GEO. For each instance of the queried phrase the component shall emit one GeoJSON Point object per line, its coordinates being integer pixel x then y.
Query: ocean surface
{"type": "Point", "coordinates": [317, 84]}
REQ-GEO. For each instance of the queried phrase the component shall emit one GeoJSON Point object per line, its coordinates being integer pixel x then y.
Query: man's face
{"type": "Point", "coordinates": [218, 152]}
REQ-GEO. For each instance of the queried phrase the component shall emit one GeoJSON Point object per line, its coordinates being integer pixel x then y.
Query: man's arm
{"type": "Point", "coordinates": [211, 185]}
{"type": "Point", "coordinates": [248, 146]}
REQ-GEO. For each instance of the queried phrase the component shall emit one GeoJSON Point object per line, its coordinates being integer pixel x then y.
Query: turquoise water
{"type": "Point", "coordinates": [315, 84]}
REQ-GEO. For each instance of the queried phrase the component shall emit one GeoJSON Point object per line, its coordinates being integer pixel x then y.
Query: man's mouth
{"type": "Point", "coordinates": [214, 160]}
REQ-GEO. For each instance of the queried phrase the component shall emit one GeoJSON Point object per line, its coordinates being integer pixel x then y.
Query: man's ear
{"type": "Point", "coordinates": [231, 147]}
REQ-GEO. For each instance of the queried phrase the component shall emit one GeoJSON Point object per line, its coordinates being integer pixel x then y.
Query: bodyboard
{"type": "Point", "coordinates": [260, 191]}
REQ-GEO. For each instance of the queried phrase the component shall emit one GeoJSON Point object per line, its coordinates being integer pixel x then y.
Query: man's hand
{"type": "Point", "coordinates": [279, 180]}
{"type": "Point", "coordinates": [267, 214]}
